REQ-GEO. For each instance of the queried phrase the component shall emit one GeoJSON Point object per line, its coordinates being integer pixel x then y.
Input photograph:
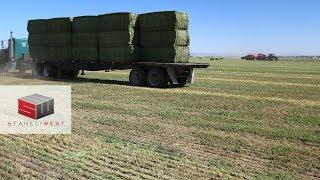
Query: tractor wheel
{"type": "Point", "coordinates": [2, 70]}
{"type": "Point", "coordinates": [22, 71]}
{"type": "Point", "coordinates": [5, 68]}
{"type": "Point", "coordinates": [157, 78]}
{"type": "Point", "coordinates": [137, 77]}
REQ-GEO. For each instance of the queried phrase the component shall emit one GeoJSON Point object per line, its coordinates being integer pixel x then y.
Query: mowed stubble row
{"type": "Point", "coordinates": [241, 119]}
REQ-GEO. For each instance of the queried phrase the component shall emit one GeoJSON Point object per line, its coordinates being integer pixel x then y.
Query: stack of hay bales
{"type": "Point", "coordinates": [38, 39]}
{"type": "Point", "coordinates": [59, 39]}
{"type": "Point", "coordinates": [112, 38]}
{"type": "Point", "coordinates": [118, 41]}
{"type": "Point", "coordinates": [164, 37]}
{"type": "Point", "coordinates": [85, 38]}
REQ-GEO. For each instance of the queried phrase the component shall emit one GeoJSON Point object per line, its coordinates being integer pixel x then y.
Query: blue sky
{"type": "Point", "coordinates": [222, 27]}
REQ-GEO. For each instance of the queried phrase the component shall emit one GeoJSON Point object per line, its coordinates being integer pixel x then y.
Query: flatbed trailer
{"type": "Point", "coordinates": [152, 74]}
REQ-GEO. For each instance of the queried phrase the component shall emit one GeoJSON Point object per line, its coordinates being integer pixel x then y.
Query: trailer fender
{"type": "Point", "coordinates": [190, 79]}
{"type": "Point", "coordinates": [173, 76]}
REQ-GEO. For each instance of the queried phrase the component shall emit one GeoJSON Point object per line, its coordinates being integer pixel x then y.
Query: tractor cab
{"type": "Point", "coordinates": [11, 52]}
{"type": "Point", "coordinates": [4, 58]}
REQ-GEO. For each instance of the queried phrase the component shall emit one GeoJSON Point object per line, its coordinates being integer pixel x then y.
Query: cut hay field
{"type": "Point", "coordinates": [242, 119]}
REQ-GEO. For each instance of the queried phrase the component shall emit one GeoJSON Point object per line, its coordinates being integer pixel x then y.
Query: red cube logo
{"type": "Point", "coordinates": [35, 106]}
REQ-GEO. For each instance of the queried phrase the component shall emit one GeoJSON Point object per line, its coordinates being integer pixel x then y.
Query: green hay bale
{"type": "Point", "coordinates": [85, 24]}
{"type": "Point", "coordinates": [174, 54]}
{"type": "Point", "coordinates": [59, 39]}
{"type": "Point", "coordinates": [85, 40]}
{"type": "Point", "coordinates": [37, 39]}
{"type": "Point", "coordinates": [59, 54]}
{"type": "Point", "coordinates": [164, 38]}
{"type": "Point", "coordinates": [38, 53]}
{"type": "Point", "coordinates": [117, 21]}
{"type": "Point", "coordinates": [118, 38]}
{"type": "Point", "coordinates": [124, 54]}
{"type": "Point", "coordinates": [37, 26]}
{"type": "Point", "coordinates": [85, 53]}
{"type": "Point", "coordinates": [166, 20]}
{"type": "Point", "coordinates": [59, 25]}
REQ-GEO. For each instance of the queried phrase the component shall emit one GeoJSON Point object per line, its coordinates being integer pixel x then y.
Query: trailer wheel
{"type": "Point", "coordinates": [35, 73]}
{"type": "Point", "coordinates": [37, 70]}
{"type": "Point", "coordinates": [182, 81]}
{"type": "Point", "coordinates": [71, 74]}
{"type": "Point", "coordinates": [157, 78]}
{"type": "Point", "coordinates": [74, 74]}
{"type": "Point", "coordinates": [137, 77]}
{"type": "Point", "coordinates": [49, 71]}
{"type": "Point", "coordinates": [46, 71]}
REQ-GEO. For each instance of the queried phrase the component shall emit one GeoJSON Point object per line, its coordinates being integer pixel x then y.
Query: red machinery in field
{"type": "Point", "coordinates": [261, 57]}
{"type": "Point", "coordinates": [270, 57]}
{"type": "Point", "coordinates": [249, 57]}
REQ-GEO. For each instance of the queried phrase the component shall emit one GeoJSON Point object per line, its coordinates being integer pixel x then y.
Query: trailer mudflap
{"type": "Point", "coordinates": [173, 76]}
{"type": "Point", "coordinates": [190, 79]}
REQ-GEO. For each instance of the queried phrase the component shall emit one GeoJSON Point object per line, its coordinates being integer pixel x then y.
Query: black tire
{"type": "Point", "coordinates": [74, 74]}
{"type": "Point", "coordinates": [22, 71]}
{"type": "Point", "coordinates": [182, 81]}
{"type": "Point", "coordinates": [37, 70]}
{"type": "Point", "coordinates": [5, 68]}
{"type": "Point", "coordinates": [59, 73]}
{"type": "Point", "coordinates": [49, 71]}
{"type": "Point", "coordinates": [46, 71]}
{"type": "Point", "coordinates": [71, 74]}
{"type": "Point", "coordinates": [138, 77]}
{"type": "Point", "coordinates": [2, 70]}
{"type": "Point", "coordinates": [157, 78]}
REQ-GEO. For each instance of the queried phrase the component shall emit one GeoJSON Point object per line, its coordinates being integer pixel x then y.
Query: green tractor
{"type": "Point", "coordinates": [4, 61]}
{"type": "Point", "coordinates": [10, 56]}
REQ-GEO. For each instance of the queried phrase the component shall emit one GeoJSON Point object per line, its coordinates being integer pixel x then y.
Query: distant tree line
{"type": "Point", "coordinates": [299, 57]}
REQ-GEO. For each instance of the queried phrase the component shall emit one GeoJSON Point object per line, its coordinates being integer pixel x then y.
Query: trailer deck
{"type": "Point", "coordinates": [172, 65]}
{"type": "Point", "coordinates": [152, 74]}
